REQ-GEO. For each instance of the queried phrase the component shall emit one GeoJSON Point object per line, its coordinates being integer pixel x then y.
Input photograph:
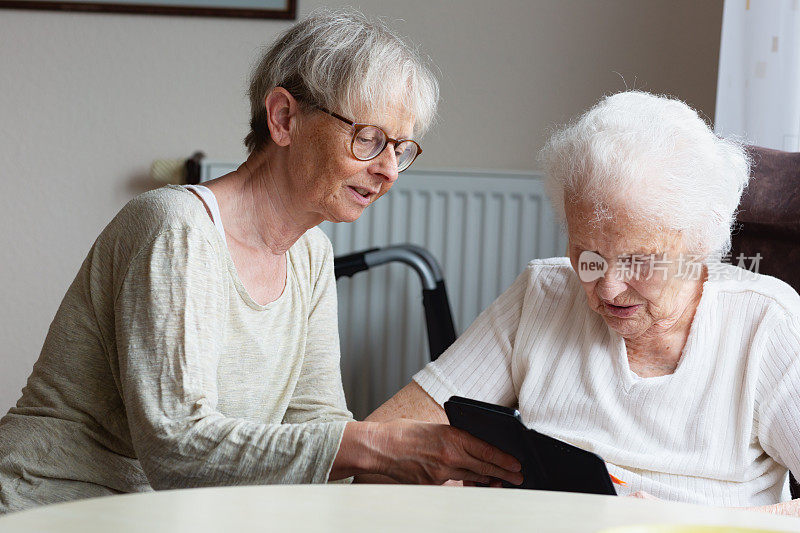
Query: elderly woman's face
{"type": "Point", "coordinates": [333, 182]}
{"type": "Point", "coordinates": [646, 287]}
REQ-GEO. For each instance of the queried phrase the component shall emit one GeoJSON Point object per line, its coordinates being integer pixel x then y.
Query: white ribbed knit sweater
{"type": "Point", "coordinates": [721, 430]}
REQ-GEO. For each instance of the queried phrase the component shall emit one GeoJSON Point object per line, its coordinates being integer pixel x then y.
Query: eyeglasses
{"type": "Point", "coordinates": [370, 141]}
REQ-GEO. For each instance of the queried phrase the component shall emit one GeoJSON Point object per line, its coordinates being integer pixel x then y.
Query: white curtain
{"type": "Point", "coordinates": [758, 89]}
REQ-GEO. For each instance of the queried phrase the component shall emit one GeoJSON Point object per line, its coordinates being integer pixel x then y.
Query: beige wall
{"type": "Point", "coordinates": [87, 101]}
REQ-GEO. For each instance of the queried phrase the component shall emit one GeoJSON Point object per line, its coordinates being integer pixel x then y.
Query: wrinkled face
{"type": "Point", "coordinates": [649, 281]}
{"type": "Point", "coordinates": [330, 181]}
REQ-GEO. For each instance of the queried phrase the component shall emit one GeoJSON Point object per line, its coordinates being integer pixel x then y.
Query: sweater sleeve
{"type": "Point", "coordinates": [778, 409]}
{"type": "Point", "coordinates": [478, 364]}
{"type": "Point", "coordinates": [169, 328]}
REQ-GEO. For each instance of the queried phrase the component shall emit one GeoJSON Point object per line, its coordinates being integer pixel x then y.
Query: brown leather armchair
{"type": "Point", "coordinates": [769, 222]}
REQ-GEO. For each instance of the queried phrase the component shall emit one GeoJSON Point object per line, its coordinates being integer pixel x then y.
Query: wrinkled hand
{"type": "Point", "coordinates": [431, 454]}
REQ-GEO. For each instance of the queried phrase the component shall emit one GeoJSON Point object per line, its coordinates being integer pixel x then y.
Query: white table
{"type": "Point", "coordinates": [369, 508]}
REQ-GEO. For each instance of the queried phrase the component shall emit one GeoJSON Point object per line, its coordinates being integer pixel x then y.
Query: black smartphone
{"type": "Point", "coordinates": [547, 463]}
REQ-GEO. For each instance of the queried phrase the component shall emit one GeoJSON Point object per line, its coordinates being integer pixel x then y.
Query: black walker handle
{"type": "Point", "coordinates": [438, 319]}
{"type": "Point", "coordinates": [438, 316]}
{"type": "Point", "coordinates": [350, 264]}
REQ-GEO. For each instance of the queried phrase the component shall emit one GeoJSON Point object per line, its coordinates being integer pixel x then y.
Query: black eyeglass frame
{"type": "Point", "coordinates": [358, 126]}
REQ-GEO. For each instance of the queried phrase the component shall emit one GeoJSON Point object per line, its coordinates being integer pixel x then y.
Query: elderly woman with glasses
{"type": "Point", "coordinates": [643, 345]}
{"type": "Point", "coordinates": [198, 343]}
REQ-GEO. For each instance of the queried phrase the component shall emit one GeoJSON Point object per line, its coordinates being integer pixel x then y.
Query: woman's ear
{"type": "Point", "coordinates": [282, 110]}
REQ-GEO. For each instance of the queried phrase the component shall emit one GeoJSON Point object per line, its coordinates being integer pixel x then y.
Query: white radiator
{"type": "Point", "coordinates": [483, 227]}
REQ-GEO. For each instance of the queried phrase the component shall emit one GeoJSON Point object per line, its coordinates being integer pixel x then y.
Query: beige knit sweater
{"type": "Point", "coordinates": [159, 370]}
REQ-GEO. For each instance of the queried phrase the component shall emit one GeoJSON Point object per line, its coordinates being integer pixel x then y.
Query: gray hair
{"type": "Point", "coordinates": [654, 156]}
{"type": "Point", "coordinates": [347, 63]}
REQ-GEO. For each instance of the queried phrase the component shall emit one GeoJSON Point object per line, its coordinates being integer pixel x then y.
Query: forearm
{"type": "Point", "coordinates": [790, 508]}
{"type": "Point", "coordinates": [410, 402]}
{"type": "Point", "coordinates": [357, 451]}
{"type": "Point", "coordinates": [216, 451]}
{"type": "Point", "coordinates": [366, 450]}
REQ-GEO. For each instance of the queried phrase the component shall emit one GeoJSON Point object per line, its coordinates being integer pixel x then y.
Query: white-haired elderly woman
{"type": "Point", "coordinates": [680, 370]}
{"type": "Point", "coordinates": [198, 343]}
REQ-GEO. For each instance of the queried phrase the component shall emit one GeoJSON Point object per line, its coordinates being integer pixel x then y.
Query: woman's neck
{"type": "Point", "coordinates": [658, 351]}
{"type": "Point", "coordinates": [257, 205]}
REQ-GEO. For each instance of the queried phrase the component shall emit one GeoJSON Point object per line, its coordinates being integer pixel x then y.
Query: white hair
{"type": "Point", "coordinates": [656, 159]}
{"type": "Point", "coordinates": [347, 63]}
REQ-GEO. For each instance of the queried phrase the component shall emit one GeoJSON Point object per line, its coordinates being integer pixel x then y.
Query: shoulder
{"type": "Point", "coordinates": [317, 241]}
{"type": "Point", "coordinates": [170, 214]}
{"type": "Point", "coordinates": [764, 311]}
{"type": "Point", "coordinates": [552, 265]}
{"type": "Point", "coordinates": [313, 246]}
{"type": "Point", "coordinates": [551, 278]}
{"type": "Point", "coordinates": [168, 208]}
{"type": "Point", "coordinates": [312, 254]}
{"type": "Point", "coordinates": [758, 292]}
{"type": "Point", "coordinates": [544, 290]}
